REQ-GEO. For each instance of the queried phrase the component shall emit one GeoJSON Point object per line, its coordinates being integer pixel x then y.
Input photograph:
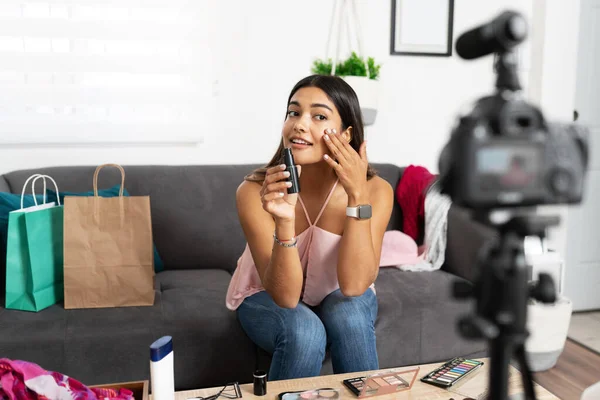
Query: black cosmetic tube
{"type": "Point", "coordinates": [288, 159]}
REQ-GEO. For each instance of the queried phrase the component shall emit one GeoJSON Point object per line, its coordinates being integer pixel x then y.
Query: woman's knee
{"type": "Point", "coordinates": [345, 316]}
{"type": "Point", "coordinates": [303, 332]}
{"type": "Point", "coordinates": [296, 329]}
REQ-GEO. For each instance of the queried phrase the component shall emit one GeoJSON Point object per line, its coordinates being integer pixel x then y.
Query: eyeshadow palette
{"type": "Point", "coordinates": [316, 394]}
{"type": "Point", "coordinates": [386, 382]}
{"type": "Point", "coordinates": [355, 384]}
{"type": "Point", "coordinates": [451, 372]}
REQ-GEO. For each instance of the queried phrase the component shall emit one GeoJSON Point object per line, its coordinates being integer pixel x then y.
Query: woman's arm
{"type": "Point", "coordinates": [360, 249]}
{"type": "Point", "coordinates": [279, 267]}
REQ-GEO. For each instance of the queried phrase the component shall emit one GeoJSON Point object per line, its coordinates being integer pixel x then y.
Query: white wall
{"type": "Point", "coordinates": [557, 83]}
{"type": "Point", "coordinates": [263, 47]}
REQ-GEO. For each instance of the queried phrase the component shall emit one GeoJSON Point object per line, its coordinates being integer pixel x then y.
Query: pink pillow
{"type": "Point", "coordinates": [398, 248]}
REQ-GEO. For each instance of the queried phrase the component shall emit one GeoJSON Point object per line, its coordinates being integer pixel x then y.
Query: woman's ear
{"type": "Point", "coordinates": [347, 134]}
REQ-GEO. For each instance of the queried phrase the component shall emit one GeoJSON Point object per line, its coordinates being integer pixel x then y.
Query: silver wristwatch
{"type": "Point", "coordinates": [361, 211]}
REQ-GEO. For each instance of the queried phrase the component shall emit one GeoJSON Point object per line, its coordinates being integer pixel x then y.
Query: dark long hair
{"type": "Point", "coordinates": [345, 100]}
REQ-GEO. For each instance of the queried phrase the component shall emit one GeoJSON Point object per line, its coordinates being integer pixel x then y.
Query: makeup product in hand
{"type": "Point", "coordinates": [387, 382]}
{"type": "Point", "coordinates": [288, 159]}
{"type": "Point", "coordinates": [452, 372]}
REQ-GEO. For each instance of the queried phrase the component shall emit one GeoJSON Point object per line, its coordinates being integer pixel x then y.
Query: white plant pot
{"type": "Point", "coordinates": [548, 327]}
{"type": "Point", "coordinates": [367, 91]}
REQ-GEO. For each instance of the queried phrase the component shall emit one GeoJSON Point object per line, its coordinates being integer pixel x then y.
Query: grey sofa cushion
{"type": "Point", "coordinates": [37, 337]}
{"type": "Point", "coordinates": [417, 318]}
{"type": "Point", "coordinates": [466, 238]}
{"type": "Point", "coordinates": [4, 185]}
{"type": "Point", "coordinates": [210, 344]}
{"type": "Point", "coordinates": [111, 344]}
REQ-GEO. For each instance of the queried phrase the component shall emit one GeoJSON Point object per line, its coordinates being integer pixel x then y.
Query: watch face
{"type": "Point", "coordinates": [364, 212]}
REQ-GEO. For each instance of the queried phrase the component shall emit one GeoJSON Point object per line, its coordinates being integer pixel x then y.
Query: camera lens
{"type": "Point", "coordinates": [560, 181]}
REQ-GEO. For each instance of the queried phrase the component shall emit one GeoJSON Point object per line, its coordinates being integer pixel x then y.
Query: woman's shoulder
{"type": "Point", "coordinates": [380, 187]}
{"type": "Point", "coordinates": [248, 192]}
{"type": "Point", "coordinates": [248, 187]}
{"type": "Point", "coordinates": [381, 195]}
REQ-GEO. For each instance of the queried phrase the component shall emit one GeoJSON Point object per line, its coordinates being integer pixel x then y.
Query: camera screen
{"type": "Point", "coordinates": [508, 167]}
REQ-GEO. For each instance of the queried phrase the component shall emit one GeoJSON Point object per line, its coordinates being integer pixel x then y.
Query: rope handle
{"type": "Point", "coordinates": [350, 12]}
{"type": "Point", "coordinates": [44, 178]}
{"type": "Point", "coordinates": [98, 172]}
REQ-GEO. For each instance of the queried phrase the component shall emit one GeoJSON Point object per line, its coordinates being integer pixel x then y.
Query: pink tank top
{"type": "Point", "coordinates": [318, 250]}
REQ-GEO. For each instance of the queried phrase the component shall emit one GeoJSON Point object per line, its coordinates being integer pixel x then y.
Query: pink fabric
{"type": "Point", "coordinates": [22, 380]}
{"type": "Point", "coordinates": [318, 250]}
{"type": "Point", "coordinates": [400, 249]}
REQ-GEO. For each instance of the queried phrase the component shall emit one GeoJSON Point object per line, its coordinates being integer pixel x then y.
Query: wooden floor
{"type": "Point", "coordinates": [585, 329]}
{"type": "Point", "coordinates": [576, 369]}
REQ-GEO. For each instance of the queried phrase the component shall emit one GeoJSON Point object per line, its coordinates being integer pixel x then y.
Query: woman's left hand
{"type": "Point", "coordinates": [351, 167]}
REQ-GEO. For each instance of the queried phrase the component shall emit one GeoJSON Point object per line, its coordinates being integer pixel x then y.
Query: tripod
{"type": "Point", "coordinates": [502, 293]}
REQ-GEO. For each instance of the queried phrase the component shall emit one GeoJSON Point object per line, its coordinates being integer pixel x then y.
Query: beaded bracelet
{"type": "Point", "coordinates": [279, 242]}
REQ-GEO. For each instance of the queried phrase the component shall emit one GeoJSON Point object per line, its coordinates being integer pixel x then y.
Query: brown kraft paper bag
{"type": "Point", "coordinates": [108, 254]}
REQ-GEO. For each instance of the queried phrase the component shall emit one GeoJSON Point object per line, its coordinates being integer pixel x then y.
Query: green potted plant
{"type": "Point", "coordinates": [361, 74]}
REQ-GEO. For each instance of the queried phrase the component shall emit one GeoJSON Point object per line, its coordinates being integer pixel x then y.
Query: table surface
{"type": "Point", "coordinates": [475, 386]}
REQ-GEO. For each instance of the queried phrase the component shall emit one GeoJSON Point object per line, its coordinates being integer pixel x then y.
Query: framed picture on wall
{"type": "Point", "coordinates": [422, 27]}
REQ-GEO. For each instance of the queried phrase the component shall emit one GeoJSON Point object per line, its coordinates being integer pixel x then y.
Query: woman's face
{"type": "Point", "coordinates": [309, 114]}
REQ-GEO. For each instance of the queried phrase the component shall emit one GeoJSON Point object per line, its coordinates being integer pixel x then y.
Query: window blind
{"type": "Point", "coordinates": [104, 71]}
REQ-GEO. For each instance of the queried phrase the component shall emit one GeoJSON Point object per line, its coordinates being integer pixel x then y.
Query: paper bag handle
{"type": "Point", "coordinates": [44, 178]}
{"type": "Point", "coordinates": [34, 176]}
{"type": "Point", "coordinates": [96, 199]}
{"type": "Point", "coordinates": [109, 165]}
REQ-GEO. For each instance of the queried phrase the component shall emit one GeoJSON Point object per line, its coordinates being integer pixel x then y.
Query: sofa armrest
{"type": "Point", "coordinates": [4, 185]}
{"type": "Point", "coordinates": [465, 238]}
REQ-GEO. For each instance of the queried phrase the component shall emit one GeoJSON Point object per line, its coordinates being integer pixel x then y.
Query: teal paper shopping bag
{"type": "Point", "coordinates": [34, 257]}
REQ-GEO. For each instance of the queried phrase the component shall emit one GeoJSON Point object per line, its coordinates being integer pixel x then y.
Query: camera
{"type": "Point", "coordinates": [504, 153]}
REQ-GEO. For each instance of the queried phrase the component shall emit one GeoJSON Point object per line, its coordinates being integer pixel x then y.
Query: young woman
{"type": "Point", "coordinates": [305, 280]}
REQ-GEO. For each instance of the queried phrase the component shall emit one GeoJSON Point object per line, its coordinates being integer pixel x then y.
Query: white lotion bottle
{"type": "Point", "coordinates": [161, 369]}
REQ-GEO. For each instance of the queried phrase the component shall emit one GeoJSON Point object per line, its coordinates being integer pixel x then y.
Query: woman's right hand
{"type": "Point", "coordinates": [275, 198]}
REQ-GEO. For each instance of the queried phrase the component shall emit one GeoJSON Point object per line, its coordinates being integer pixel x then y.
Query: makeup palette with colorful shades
{"type": "Point", "coordinates": [452, 372]}
{"type": "Point", "coordinates": [385, 382]}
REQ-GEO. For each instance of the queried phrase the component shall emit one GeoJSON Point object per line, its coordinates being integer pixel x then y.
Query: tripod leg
{"type": "Point", "coordinates": [525, 372]}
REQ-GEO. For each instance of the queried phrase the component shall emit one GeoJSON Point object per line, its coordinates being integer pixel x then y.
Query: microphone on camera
{"type": "Point", "coordinates": [499, 35]}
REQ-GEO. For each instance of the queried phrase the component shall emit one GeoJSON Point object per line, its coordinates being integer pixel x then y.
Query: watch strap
{"type": "Point", "coordinates": [361, 211]}
{"type": "Point", "coordinates": [352, 212]}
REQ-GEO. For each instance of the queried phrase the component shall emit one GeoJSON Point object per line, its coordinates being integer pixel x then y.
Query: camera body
{"type": "Point", "coordinates": [504, 154]}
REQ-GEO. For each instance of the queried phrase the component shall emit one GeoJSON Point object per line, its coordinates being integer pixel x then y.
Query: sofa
{"type": "Point", "coordinates": [198, 236]}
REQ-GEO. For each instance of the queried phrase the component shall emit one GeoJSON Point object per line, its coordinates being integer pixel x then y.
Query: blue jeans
{"type": "Point", "coordinates": [298, 337]}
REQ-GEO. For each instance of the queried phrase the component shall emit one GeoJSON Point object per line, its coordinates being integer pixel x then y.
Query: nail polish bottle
{"type": "Point", "coordinates": [288, 159]}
